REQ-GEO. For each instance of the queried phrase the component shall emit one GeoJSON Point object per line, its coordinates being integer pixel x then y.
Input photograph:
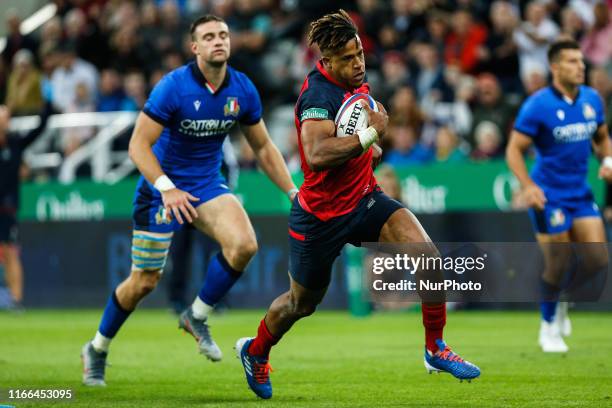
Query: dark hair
{"type": "Point", "coordinates": [332, 31]}
{"type": "Point", "coordinates": [555, 49]}
{"type": "Point", "coordinates": [203, 20]}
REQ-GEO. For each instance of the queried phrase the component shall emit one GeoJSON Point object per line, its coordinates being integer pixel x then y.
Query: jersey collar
{"type": "Point", "coordinates": [563, 97]}
{"type": "Point", "coordinates": [201, 79]}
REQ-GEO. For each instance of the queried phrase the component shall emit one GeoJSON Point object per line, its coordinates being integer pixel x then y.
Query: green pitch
{"type": "Point", "coordinates": [329, 359]}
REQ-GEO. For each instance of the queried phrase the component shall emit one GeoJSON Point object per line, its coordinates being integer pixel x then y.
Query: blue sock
{"type": "Point", "coordinates": [220, 277]}
{"type": "Point", "coordinates": [550, 297]}
{"type": "Point", "coordinates": [113, 317]}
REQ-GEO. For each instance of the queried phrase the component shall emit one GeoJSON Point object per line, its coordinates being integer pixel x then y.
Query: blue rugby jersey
{"type": "Point", "coordinates": [562, 131]}
{"type": "Point", "coordinates": [196, 120]}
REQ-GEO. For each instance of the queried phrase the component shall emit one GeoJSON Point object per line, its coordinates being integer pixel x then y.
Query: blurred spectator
{"type": "Point", "coordinates": [71, 72]}
{"type": "Point", "coordinates": [111, 96]}
{"type": "Point", "coordinates": [597, 43]}
{"type": "Point", "coordinates": [90, 43]}
{"type": "Point", "coordinates": [250, 28]}
{"type": "Point", "coordinates": [14, 39]}
{"type": "Point", "coordinates": [408, 20]}
{"type": "Point", "coordinates": [73, 137]}
{"type": "Point", "coordinates": [534, 36]}
{"type": "Point", "coordinates": [598, 79]}
{"type": "Point", "coordinates": [437, 29]}
{"type": "Point", "coordinates": [498, 53]}
{"type": "Point", "coordinates": [491, 106]}
{"type": "Point", "coordinates": [448, 148]}
{"type": "Point", "coordinates": [488, 142]}
{"type": "Point", "coordinates": [389, 39]}
{"type": "Point", "coordinates": [136, 90]}
{"type": "Point", "coordinates": [585, 9]}
{"type": "Point", "coordinates": [429, 81]}
{"type": "Point", "coordinates": [372, 16]}
{"type": "Point", "coordinates": [172, 60]}
{"type": "Point", "coordinates": [155, 77]}
{"type": "Point", "coordinates": [127, 52]}
{"type": "Point", "coordinates": [464, 41]}
{"type": "Point", "coordinates": [170, 34]}
{"type": "Point", "coordinates": [50, 59]}
{"type": "Point", "coordinates": [24, 85]}
{"type": "Point", "coordinates": [389, 181]}
{"type": "Point", "coordinates": [406, 148]}
{"type": "Point", "coordinates": [395, 74]}
{"type": "Point", "coordinates": [403, 108]}
{"type": "Point", "coordinates": [572, 25]}
{"type": "Point", "coordinates": [456, 114]}
{"type": "Point", "coordinates": [535, 78]}
{"type": "Point", "coordinates": [50, 36]}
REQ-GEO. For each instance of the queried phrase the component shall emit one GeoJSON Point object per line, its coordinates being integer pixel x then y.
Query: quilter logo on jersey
{"type": "Point", "coordinates": [205, 127]}
{"type": "Point", "coordinates": [575, 132]}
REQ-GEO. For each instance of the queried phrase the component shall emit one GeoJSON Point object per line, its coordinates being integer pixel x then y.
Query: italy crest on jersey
{"type": "Point", "coordinates": [588, 111]}
{"type": "Point", "coordinates": [231, 107]}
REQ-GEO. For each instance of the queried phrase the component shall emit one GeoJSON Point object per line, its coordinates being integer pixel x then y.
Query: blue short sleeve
{"type": "Point", "coordinates": [527, 121]}
{"type": "Point", "coordinates": [252, 112]}
{"type": "Point", "coordinates": [163, 101]}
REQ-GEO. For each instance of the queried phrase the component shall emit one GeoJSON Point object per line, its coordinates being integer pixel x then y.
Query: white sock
{"type": "Point", "coordinates": [100, 343]}
{"type": "Point", "coordinates": [200, 309]}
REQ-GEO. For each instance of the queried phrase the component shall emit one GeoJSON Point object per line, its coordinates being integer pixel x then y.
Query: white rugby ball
{"type": "Point", "coordinates": [352, 116]}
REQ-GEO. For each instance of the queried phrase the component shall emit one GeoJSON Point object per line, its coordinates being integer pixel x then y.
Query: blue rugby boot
{"type": "Point", "coordinates": [257, 369]}
{"type": "Point", "coordinates": [445, 361]}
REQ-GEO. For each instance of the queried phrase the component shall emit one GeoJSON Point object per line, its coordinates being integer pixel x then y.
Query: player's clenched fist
{"type": "Point", "coordinates": [534, 196]}
{"type": "Point", "coordinates": [177, 202]}
{"type": "Point", "coordinates": [378, 120]}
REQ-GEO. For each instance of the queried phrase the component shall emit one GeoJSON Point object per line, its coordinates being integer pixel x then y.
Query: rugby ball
{"type": "Point", "coordinates": [352, 116]}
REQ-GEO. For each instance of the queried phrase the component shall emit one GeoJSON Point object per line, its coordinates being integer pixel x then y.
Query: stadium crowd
{"type": "Point", "coordinates": [451, 73]}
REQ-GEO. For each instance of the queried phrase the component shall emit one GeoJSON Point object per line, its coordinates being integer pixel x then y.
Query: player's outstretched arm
{"type": "Point", "coordinates": [176, 202]}
{"type": "Point", "coordinates": [323, 150]}
{"type": "Point", "coordinates": [517, 146]}
{"type": "Point", "coordinates": [602, 146]}
{"type": "Point", "coordinates": [269, 157]}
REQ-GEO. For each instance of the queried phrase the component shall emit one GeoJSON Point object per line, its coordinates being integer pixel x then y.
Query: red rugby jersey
{"type": "Point", "coordinates": [333, 192]}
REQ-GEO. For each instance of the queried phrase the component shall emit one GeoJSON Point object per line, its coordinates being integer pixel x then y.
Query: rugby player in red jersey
{"type": "Point", "coordinates": [339, 203]}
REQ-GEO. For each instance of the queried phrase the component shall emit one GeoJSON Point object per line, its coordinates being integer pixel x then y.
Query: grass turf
{"type": "Point", "coordinates": [329, 359]}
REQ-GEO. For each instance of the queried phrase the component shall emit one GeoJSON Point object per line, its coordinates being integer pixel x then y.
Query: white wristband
{"type": "Point", "coordinates": [367, 137]}
{"type": "Point", "coordinates": [163, 183]}
{"type": "Point", "coordinates": [293, 190]}
{"type": "Point", "coordinates": [607, 162]}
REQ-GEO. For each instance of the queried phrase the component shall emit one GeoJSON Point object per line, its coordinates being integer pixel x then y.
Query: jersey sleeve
{"type": "Point", "coordinates": [528, 121]}
{"type": "Point", "coordinates": [163, 101]}
{"type": "Point", "coordinates": [600, 110]}
{"type": "Point", "coordinates": [315, 105]}
{"type": "Point", "coordinates": [253, 110]}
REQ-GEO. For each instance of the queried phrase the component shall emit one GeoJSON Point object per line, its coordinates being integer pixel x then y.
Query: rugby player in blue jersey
{"type": "Point", "coordinates": [564, 122]}
{"type": "Point", "coordinates": [177, 146]}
